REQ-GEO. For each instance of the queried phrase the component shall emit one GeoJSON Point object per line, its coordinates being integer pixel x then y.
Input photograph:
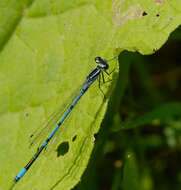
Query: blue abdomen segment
{"type": "Point", "coordinates": [20, 175]}
{"type": "Point", "coordinates": [36, 155]}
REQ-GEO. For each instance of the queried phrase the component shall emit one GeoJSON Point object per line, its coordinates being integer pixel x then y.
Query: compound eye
{"type": "Point", "coordinates": [98, 59]}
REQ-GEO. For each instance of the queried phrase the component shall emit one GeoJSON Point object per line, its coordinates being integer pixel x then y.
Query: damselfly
{"type": "Point", "coordinates": [96, 74]}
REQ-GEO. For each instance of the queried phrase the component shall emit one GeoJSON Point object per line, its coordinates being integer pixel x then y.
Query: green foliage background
{"type": "Point", "coordinates": [46, 50]}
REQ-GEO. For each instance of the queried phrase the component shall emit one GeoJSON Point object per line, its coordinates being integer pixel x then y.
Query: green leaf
{"type": "Point", "coordinates": [130, 178]}
{"type": "Point", "coordinates": [47, 49]}
{"type": "Point", "coordinates": [162, 113]}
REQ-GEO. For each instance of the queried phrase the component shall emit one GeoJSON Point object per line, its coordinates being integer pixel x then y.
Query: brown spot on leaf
{"type": "Point", "coordinates": [26, 114]}
{"type": "Point", "coordinates": [131, 13]}
{"type": "Point", "coordinates": [161, 2]}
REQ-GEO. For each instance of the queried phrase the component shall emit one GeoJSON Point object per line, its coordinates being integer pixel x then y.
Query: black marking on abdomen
{"type": "Point", "coordinates": [59, 124]}
{"type": "Point", "coordinates": [71, 107]}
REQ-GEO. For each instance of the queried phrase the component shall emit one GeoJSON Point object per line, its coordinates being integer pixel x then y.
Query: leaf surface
{"type": "Point", "coordinates": [47, 49]}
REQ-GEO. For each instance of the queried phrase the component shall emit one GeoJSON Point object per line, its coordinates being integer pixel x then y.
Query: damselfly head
{"type": "Point", "coordinates": [102, 63]}
{"type": "Point", "coordinates": [99, 60]}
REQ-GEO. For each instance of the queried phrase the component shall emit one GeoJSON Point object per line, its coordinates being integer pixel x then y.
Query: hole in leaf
{"type": "Point", "coordinates": [62, 149]}
{"type": "Point", "coordinates": [144, 13]}
{"type": "Point", "coordinates": [74, 138]}
{"type": "Point", "coordinates": [157, 15]}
